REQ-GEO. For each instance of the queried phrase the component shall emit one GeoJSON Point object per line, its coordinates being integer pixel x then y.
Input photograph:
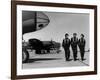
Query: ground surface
{"type": "Point", "coordinates": [53, 59]}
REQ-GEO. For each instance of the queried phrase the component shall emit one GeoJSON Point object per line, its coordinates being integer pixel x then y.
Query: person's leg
{"type": "Point", "coordinates": [80, 48]}
{"type": "Point", "coordinates": [75, 52]}
{"type": "Point", "coordinates": [68, 51]}
{"type": "Point", "coordinates": [74, 56]}
{"type": "Point", "coordinates": [65, 54]}
{"type": "Point", "coordinates": [82, 53]}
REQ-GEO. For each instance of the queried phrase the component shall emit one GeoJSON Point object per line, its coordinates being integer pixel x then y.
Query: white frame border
{"type": "Point", "coordinates": [35, 71]}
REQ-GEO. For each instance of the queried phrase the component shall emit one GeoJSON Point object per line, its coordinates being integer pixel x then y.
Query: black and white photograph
{"type": "Point", "coordinates": [55, 39]}
{"type": "Point", "coordinates": [52, 40]}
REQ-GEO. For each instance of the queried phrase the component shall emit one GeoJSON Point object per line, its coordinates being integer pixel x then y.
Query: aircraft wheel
{"type": "Point", "coordinates": [25, 56]}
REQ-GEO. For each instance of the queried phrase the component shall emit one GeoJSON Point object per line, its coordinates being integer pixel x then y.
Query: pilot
{"type": "Point", "coordinates": [81, 44]}
{"type": "Point", "coordinates": [66, 46]}
{"type": "Point", "coordinates": [74, 43]}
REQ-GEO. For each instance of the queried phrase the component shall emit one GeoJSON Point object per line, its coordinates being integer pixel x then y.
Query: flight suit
{"type": "Point", "coordinates": [66, 46]}
{"type": "Point", "coordinates": [81, 45]}
{"type": "Point", "coordinates": [74, 43]}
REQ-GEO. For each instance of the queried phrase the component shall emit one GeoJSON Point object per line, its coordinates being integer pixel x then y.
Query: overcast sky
{"type": "Point", "coordinates": [61, 23]}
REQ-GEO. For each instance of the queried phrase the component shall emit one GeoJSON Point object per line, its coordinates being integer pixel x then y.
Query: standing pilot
{"type": "Point", "coordinates": [74, 43]}
{"type": "Point", "coordinates": [81, 45]}
{"type": "Point", "coordinates": [66, 46]}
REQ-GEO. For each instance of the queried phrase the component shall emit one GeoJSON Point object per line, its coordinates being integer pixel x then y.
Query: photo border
{"type": "Point", "coordinates": [14, 39]}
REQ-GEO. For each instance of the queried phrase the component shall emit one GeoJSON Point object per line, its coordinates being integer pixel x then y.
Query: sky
{"type": "Point", "coordinates": [61, 23]}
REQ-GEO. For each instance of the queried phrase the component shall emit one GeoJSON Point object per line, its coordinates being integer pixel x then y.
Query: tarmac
{"type": "Point", "coordinates": [53, 59]}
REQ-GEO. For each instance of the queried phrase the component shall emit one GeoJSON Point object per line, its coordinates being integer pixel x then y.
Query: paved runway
{"type": "Point", "coordinates": [53, 59]}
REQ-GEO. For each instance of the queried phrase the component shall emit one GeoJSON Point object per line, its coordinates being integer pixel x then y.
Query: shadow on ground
{"type": "Point", "coordinates": [43, 59]}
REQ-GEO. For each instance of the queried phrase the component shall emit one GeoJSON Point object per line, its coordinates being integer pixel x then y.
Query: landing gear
{"type": "Point", "coordinates": [25, 56]}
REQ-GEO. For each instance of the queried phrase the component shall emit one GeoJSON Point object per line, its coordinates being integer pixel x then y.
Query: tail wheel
{"type": "Point", "coordinates": [25, 56]}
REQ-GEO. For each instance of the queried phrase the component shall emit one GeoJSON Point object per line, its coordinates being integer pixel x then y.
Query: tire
{"type": "Point", "coordinates": [25, 56]}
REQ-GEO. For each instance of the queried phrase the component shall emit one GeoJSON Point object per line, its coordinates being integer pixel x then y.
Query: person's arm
{"type": "Point", "coordinates": [77, 40]}
{"type": "Point", "coordinates": [84, 42]}
{"type": "Point", "coordinates": [79, 43]}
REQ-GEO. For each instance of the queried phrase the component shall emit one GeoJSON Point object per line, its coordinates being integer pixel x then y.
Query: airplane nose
{"type": "Point", "coordinates": [33, 21]}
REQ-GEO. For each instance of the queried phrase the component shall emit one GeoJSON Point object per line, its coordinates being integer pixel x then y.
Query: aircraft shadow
{"type": "Point", "coordinates": [43, 59]}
